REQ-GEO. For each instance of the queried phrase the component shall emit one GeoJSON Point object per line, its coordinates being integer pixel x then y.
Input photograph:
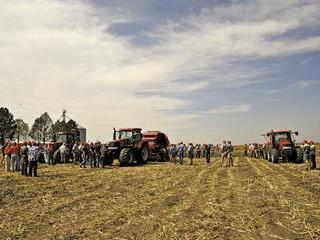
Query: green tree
{"type": "Point", "coordinates": [41, 129]}
{"type": "Point", "coordinates": [7, 124]}
{"type": "Point", "coordinates": [62, 126]}
{"type": "Point", "coordinates": [22, 130]}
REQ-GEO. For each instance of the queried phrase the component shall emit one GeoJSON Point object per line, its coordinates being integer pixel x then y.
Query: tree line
{"type": "Point", "coordinates": [42, 130]}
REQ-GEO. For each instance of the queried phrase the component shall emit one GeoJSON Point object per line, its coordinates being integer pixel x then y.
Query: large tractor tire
{"type": "Point", "coordinates": [56, 157]}
{"type": "Point", "coordinates": [143, 154]}
{"type": "Point", "coordinates": [275, 155]}
{"type": "Point", "coordinates": [299, 155]}
{"type": "Point", "coordinates": [164, 155]}
{"type": "Point", "coordinates": [126, 157]}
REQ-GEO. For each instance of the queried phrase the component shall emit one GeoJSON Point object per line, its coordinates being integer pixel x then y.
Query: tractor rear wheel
{"type": "Point", "coordinates": [126, 157]}
{"type": "Point", "coordinates": [164, 155]}
{"type": "Point", "coordinates": [275, 155]}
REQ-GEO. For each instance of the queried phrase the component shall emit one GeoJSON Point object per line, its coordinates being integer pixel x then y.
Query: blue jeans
{"type": "Point", "coordinates": [13, 162]}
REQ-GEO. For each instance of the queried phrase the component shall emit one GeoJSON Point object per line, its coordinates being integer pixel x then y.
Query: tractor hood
{"type": "Point", "coordinates": [285, 144]}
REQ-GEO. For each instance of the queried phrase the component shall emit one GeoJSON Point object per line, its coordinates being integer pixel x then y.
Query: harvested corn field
{"type": "Point", "coordinates": [253, 200]}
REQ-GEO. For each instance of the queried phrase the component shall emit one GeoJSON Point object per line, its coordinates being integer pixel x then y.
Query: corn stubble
{"type": "Point", "coordinates": [253, 200]}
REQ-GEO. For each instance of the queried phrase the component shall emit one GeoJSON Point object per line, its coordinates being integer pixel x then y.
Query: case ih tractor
{"type": "Point", "coordinates": [281, 146]}
{"type": "Point", "coordinates": [130, 146]}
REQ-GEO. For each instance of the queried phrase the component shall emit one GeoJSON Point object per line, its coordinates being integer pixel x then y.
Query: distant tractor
{"type": "Point", "coordinates": [281, 145]}
{"type": "Point", "coordinates": [68, 138]}
{"type": "Point", "coordinates": [130, 146]}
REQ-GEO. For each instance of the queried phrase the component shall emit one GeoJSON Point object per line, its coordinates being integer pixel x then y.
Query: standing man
{"type": "Point", "coordinates": [207, 152]}
{"type": "Point", "coordinates": [85, 154]}
{"type": "Point", "coordinates": [246, 150]}
{"type": "Point", "coordinates": [229, 150]}
{"type": "Point", "coordinates": [97, 151]}
{"type": "Point", "coordinates": [24, 159]}
{"type": "Point", "coordinates": [32, 157]}
{"type": "Point", "coordinates": [14, 152]}
{"type": "Point", "coordinates": [191, 153]}
{"type": "Point", "coordinates": [63, 152]}
{"type": "Point", "coordinates": [313, 155]}
{"type": "Point", "coordinates": [306, 155]}
{"type": "Point", "coordinates": [173, 153]}
{"type": "Point", "coordinates": [7, 156]}
{"type": "Point", "coordinates": [223, 152]}
{"type": "Point", "coordinates": [180, 152]}
{"type": "Point", "coordinates": [76, 152]}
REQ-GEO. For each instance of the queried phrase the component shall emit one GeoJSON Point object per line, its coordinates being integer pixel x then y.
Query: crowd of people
{"type": "Point", "coordinates": [21, 157]}
{"type": "Point", "coordinates": [177, 152]}
{"type": "Point", "coordinates": [25, 156]}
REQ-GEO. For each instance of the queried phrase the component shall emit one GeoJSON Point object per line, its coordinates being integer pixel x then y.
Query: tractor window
{"type": "Point", "coordinates": [123, 135]}
{"type": "Point", "coordinates": [282, 136]}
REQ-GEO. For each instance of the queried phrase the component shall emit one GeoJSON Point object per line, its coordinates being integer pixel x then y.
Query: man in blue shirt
{"type": "Point", "coordinates": [180, 150]}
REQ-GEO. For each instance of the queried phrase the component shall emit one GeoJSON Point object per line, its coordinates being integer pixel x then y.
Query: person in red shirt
{"type": "Point", "coordinates": [14, 152]}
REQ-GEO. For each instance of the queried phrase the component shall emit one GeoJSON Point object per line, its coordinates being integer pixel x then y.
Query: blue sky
{"type": "Point", "coordinates": [201, 71]}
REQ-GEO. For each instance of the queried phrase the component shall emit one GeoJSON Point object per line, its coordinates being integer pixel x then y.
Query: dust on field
{"type": "Point", "coordinates": [253, 200]}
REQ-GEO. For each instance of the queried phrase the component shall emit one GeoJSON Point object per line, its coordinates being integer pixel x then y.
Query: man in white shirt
{"type": "Point", "coordinates": [63, 152]}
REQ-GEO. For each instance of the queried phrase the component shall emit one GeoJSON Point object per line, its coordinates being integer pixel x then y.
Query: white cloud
{"type": "Point", "coordinates": [58, 54]}
{"type": "Point", "coordinates": [307, 83]}
{"type": "Point", "coordinates": [226, 109]}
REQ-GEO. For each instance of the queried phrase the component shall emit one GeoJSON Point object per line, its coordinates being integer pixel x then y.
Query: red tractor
{"type": "Point", "coordinates": [281, 146]}
{"type": "Point", "coordinates": [130, 146]}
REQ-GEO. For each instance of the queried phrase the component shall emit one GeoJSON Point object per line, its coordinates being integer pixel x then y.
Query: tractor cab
{"type": "Point", "coordinates": [131, 134]}
{"type": "Point", "coordinates": [280, 139]}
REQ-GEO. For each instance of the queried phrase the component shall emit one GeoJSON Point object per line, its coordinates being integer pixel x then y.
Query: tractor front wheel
{"type": "Point", "coordinates": [275, 155]}
{"type": "Point", "coordinates": [126, 157]}
{"type": "Point", "coordinates": [144, 155]}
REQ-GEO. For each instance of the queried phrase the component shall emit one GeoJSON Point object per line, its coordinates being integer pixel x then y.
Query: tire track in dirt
{"type": "Point", "coordinates": [289, 202]}
{"type": "Point", "coordinates": [226, 201]}
{"type": "Point", "coordinates": [68, 206]}
{"type": "Point", "coordinates": [178, 214]}
{"type": "Point", "coordinates": [176, 185]}
{"type": "Point", "coordinates": [246, 215]}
